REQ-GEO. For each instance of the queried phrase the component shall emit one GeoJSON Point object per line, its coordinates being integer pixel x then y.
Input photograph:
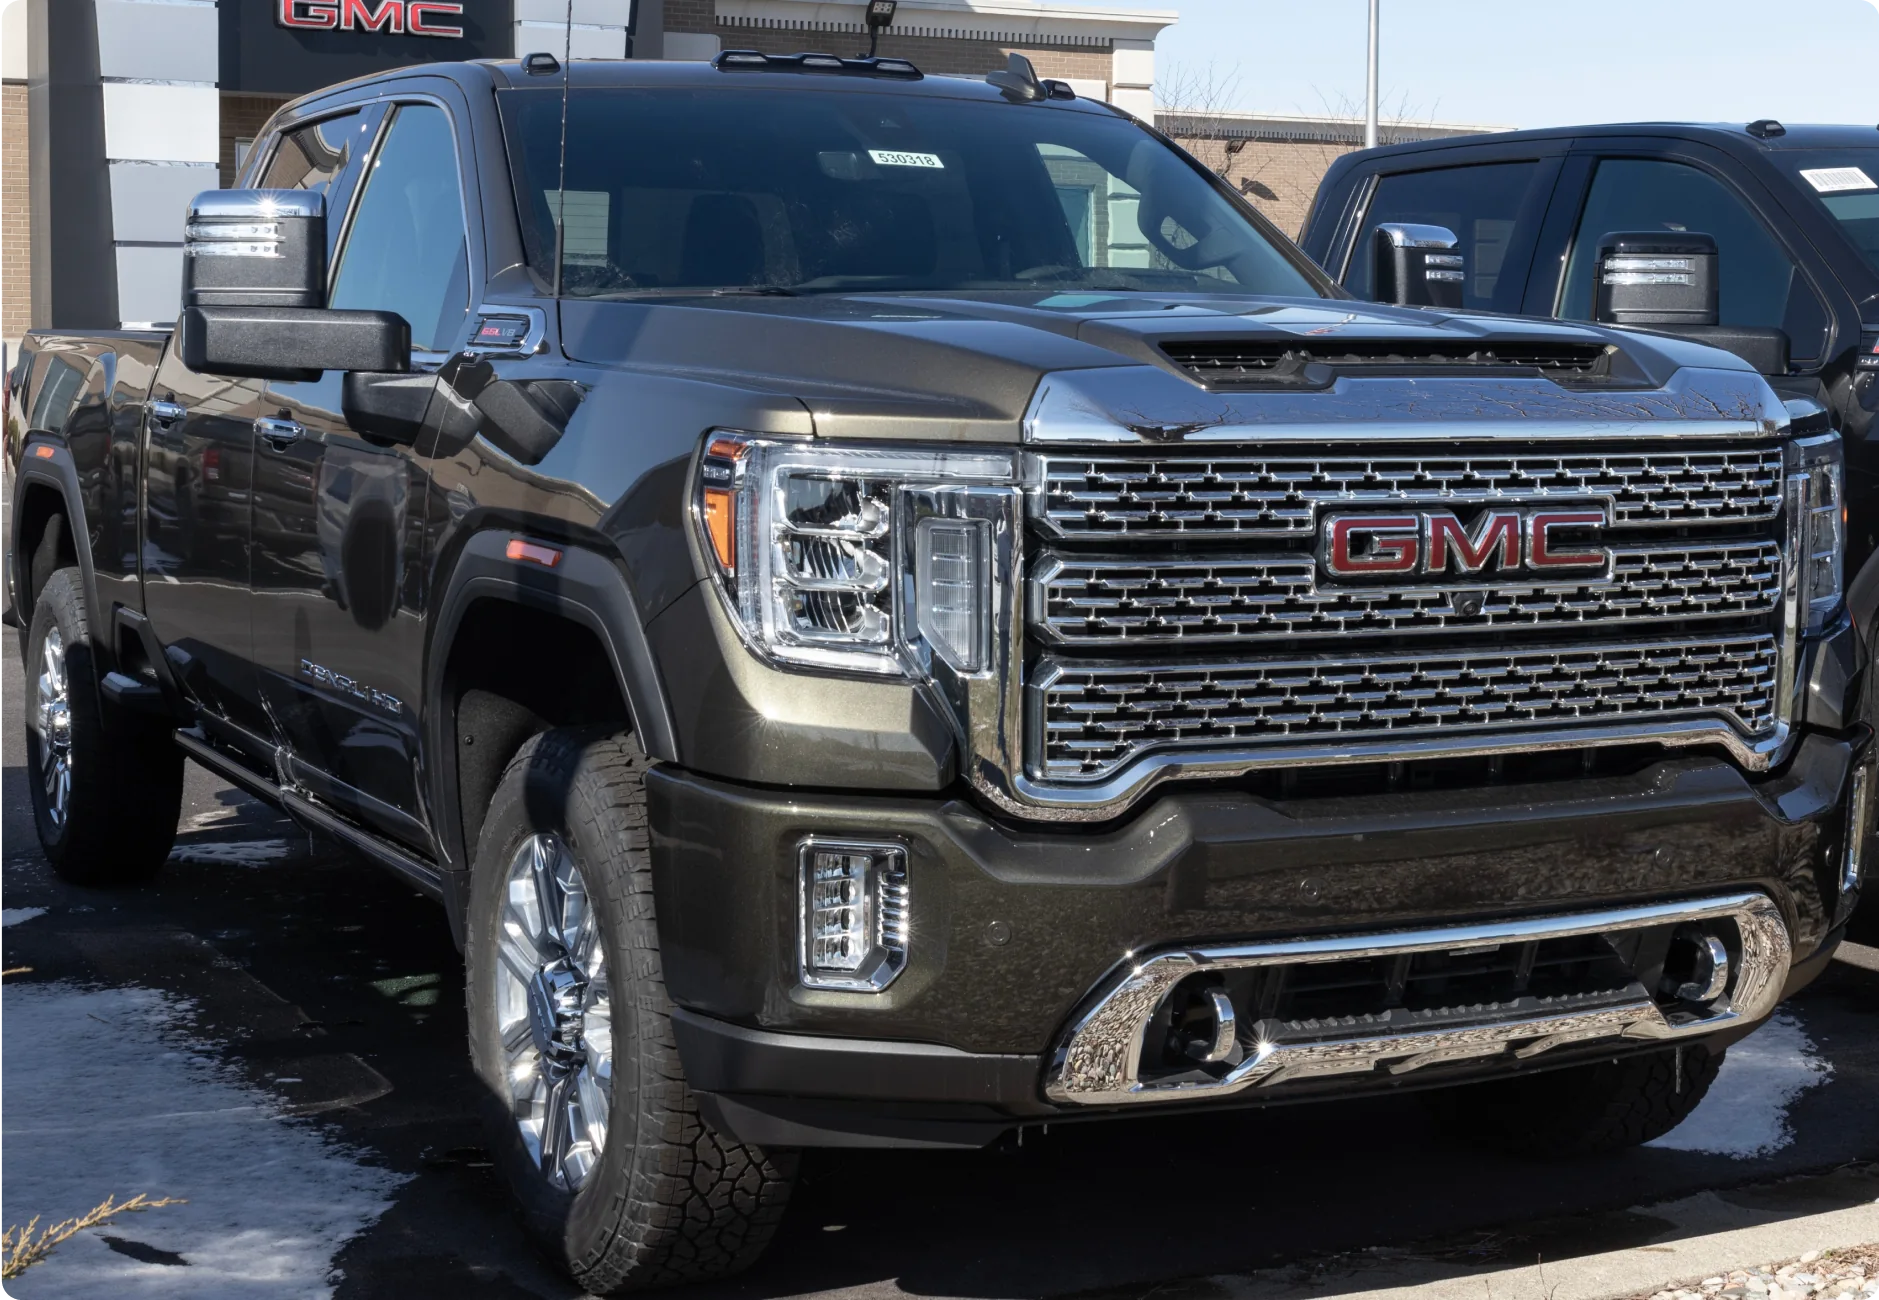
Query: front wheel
{"type": "Point", "coordinates": [106, 784]}
{"type": "Point", "coordinates": [1583, 1109]}
{"type": "Point", "coordinates": [613, 1170]}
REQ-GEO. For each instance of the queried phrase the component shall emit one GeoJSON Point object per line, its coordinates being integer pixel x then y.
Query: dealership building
{"type": "Point", "coordinates": [127, 108]}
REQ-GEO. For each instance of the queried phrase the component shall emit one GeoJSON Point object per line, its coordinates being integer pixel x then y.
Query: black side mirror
{"type": "Point", "coordinates": [1668, 281]}
{"type": "Point", "coordinates": [1657, 277]}
{"type": "Point", "coordinates": [1419, 266]}
{"type": "Point", "coordinates": [254, 293]}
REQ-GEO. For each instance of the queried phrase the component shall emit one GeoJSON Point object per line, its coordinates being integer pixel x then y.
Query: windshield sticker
{"type": "Point", "coordinates": [1837, 180]}
{"type": "Point", "coordinates": [895, 158]}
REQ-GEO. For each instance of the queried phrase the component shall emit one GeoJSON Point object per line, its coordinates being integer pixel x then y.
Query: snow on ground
{"type": "Point", "coordinates": [233, 853]}
{"type": "Point", "coordinates": [1746, 1112]}
{"type": "Point", "coordinates": [14, 915]}
{"type": "Point", "coordinates": [107, 1094]}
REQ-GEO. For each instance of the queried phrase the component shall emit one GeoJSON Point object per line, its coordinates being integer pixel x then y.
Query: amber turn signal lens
{"type": "Point", "coordinates": [721, 527]}
{"type": "Point", "coordinates": [533, 552]}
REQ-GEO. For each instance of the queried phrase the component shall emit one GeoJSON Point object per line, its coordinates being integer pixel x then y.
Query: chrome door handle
{"type": "Point", "coordinates": [279, 433]}
{"type": "Point", "coordinates": [167, 412]}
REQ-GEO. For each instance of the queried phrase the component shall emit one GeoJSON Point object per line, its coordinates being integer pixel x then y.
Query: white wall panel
{"type": "Point", "coordinates": [13, 40]}
{"type": "Point", "coordinates": [163, 42]}
{"type": "Point", "coordinates": [149, 201]}
{"type": "Point", "coordinates": [149, 284]}
{"type": "Point", "coordinates": [588, 43]}
{"type": "Point", "coordinates": [593, 13]}
{"type": "Point", "coordinates": [161, 123]}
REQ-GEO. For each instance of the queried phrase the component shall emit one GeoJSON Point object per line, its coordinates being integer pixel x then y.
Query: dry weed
{"type": "Point", "coordinates": [20, 1249]}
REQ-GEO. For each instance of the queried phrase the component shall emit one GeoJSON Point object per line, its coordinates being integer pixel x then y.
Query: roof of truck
{"type": "Point", "coordinates": [1794, 136]}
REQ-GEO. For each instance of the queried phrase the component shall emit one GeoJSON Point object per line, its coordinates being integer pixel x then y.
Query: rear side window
{"type": "Point", "coordinates": [1494, 209]}
{"type": "Point", "coordinates": [1758, 282]}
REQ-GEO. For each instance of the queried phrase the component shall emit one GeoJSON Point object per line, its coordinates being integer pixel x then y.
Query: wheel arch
{"type": "Point", "coordinates": [47, 488]}
{"type": "Point", "coordinates": [578, 619]}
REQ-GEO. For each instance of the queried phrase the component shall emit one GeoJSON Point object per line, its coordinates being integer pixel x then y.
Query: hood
{"type": "Point", "coordinates": [1000, 367]}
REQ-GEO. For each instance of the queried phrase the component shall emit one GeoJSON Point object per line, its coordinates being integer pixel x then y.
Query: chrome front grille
{"type": "Point", "coordinates": [1112, 600]}
{"type": "Point", "coordinates": [1096, 716]}
{"type": "Point", "coordinates": [1278, 496]}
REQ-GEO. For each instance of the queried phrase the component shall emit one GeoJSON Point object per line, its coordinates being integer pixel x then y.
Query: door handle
{"type": "Point", "coordinates": [279, 433]}
{"type": "Point", "coordinates": [167, 412]}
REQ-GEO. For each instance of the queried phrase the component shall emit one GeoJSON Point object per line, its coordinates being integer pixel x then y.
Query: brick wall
{"type": "Point", "coordinates": [690, 16]}
{"type": "Point", "coordinates": [1279, 177]}
{"type": "Point", "coordinates": [16, 288]}
{"type": "Point", "coordinates": [936, 54]}
{"type": "Point", "coordinates": [242, 119]}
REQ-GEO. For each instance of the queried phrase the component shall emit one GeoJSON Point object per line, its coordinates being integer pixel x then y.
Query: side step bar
{"type": "Point", "coordinates": [426, 878]}
{"type": "Point", "coordinates": [1099, 1060]}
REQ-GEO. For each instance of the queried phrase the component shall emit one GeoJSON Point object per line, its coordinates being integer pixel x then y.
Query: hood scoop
{"type": "Point", "coordinates": [1255, 363]}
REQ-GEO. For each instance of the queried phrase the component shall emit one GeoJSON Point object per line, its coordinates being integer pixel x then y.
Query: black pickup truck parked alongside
{"type": "Point", "coordinates": [1793, 212]}
{"type": "Point", "coordinates": [890, 609]}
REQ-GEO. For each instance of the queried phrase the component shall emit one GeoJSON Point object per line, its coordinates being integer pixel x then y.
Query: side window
{"type": "Point", "coordinates": [1759, 285]}
{"type": "Point", "coordinates": [406, 250]}
{"type": "Point", "coordinates": [1493, 208]}
{"type": "Point", "coordinates": [312, 157]}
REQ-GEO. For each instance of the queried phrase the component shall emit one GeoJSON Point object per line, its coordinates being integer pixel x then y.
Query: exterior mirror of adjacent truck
{"type": "Point", "coordinates": [1419, 266]}
{"type": "Point", "coordinates": [254, 293]}
{"type": "Point", "coordinates": [1667, 280]}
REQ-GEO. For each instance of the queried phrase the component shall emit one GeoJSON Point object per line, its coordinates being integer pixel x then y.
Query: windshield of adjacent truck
{"type": "Point", "coordinates": [1846, 183]}
{"type": "Point", "coordinates": [758, 189]}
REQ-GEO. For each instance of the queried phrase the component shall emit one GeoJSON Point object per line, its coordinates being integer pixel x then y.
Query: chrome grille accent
{"type": "Point", "coordinates": [1111, 601]}
{"type": "Point", "coordinates": [1095, 717]}
{"type": "Point", "coordinates": [1217, 496]}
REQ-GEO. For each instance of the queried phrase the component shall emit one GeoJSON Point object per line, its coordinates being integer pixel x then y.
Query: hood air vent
{"type": "Point", "coordinates": [1264, 362]}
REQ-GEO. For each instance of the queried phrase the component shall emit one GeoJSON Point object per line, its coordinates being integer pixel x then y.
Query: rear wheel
{"type": "Point", "coordinates": [106, 784]}
{"type": "Point", "coordinates": [1585, 1109]}
{"type": "Point", "coordinates": [590, 1117]}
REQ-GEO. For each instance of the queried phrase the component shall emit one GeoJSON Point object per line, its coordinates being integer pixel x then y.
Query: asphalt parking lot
{"type": "Point", "coordinates": [274, 1031]}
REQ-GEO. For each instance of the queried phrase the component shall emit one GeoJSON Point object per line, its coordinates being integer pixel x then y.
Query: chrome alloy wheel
{"type": "Point", "coordinates": [554, 1011]}
{"type": "Point", "coordinates": [52, 717]}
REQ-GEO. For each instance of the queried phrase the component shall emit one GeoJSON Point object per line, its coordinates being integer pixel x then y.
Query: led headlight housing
{"type": "Point", "coordinates": [853, 929]}
{"type": "Point", "coordinates": [1817, 496]}
{"type": "Point", "coordinates": [856, 559]}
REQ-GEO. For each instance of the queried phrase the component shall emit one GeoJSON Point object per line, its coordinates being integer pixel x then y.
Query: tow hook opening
{"type": "Point", "coordinates": [1197, 1025]}
{"type": "Point", "coordinates": [1697, 965]}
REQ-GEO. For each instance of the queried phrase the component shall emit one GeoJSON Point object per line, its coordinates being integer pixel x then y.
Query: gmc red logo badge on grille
{"type": "Point", "coordinates": [409, 17]}
{"type": "Point", "coordinates": [1432, 543]}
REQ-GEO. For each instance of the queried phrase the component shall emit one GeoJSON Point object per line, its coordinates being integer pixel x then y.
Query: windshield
{"type": "Point", "coordinates": [764, 190]}
{"type": "Point", "coordinates": [1846, 183]}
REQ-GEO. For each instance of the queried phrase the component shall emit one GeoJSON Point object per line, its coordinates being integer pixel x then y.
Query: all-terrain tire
{"type": "Point", "coordinates": [1584, 1109]}
{"type": "Point", "coordinates": [124, 787]}
{"type": "Point", "coordinates": [669, 1199]}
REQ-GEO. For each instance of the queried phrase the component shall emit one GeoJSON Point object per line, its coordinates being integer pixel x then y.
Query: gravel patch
{"type": "Point", "coordinates": [1848, 1274]}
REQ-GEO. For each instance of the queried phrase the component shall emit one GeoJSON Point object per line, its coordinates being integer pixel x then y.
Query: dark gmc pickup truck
{"type": "Point", "coordinates": [890, 609]}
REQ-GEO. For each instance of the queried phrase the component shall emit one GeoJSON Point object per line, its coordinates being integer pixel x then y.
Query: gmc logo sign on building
{"type": "Point", "coordinates": [405, 17]}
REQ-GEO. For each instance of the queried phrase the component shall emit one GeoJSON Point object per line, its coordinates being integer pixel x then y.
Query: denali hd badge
{"type": "Point", "coordinates": [1408, 544]}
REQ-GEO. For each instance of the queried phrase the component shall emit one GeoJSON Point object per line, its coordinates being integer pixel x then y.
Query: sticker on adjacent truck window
{"type": "Point", "coordinates": [895, 158]}
{"type": "Point", "coordinates": [1838, 180]}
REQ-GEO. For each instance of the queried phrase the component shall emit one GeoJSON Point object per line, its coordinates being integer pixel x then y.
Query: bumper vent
{"type": "Point", "coordinates": [1257, 363]}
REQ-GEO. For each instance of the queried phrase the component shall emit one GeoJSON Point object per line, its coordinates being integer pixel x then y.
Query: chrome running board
{"type": "Point", "coordinates": [1098, 1061]}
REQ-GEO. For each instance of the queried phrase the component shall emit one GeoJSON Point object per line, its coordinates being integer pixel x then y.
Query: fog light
{"type": "Point", "coordinates": [853, 913]}
{"type": "Point", "coordinates": [1858, 829]}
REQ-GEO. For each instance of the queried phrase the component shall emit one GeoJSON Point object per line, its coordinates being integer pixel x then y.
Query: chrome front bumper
{"type": "Point", "coordinates": [1099, 1059]}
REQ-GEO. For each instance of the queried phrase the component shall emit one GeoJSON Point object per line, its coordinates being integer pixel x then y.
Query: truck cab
{"type": "Point", "coordinates": [1793, 210]}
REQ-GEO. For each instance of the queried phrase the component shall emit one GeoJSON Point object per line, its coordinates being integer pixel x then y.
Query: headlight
{"type": "Point", "coordinates": [1817, 493]}
{"type": "Point", "coordinates": [855, 559]}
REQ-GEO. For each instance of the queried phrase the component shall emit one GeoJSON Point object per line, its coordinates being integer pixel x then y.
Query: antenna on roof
{"type": "Point", "coordinates": [561, 178]}
{"type": "Point", "coordinates": [1018, 79]}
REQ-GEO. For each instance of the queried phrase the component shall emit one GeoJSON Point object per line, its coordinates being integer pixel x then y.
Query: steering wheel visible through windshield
{"type": "Point", "coordinates": [758, 189]}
